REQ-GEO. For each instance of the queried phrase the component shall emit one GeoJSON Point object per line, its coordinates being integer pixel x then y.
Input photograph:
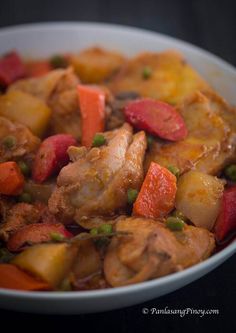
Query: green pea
{"type": "Point", "coordinates": [9, 141]}
{"type": "Point", "coordinates": [105, 228]}
{"type": "Point", "coordinates": [230, 172]}
{"type": "Point", "coordinates": [173, 169]}
{"type": "Point", "coordinates": [24, 168]}
{"type": "Point", "coordinates": [58, 61]}
{"type": "Point", "coordinates": [131, 195]}
{"type": "Point", "coordinates": [25, 197]}
{"type": "Point", "coordinates": [98, 140]}
{"type": "Point", "coordinates": [55, 236]}
{"type": "Point", "coordinates": [146, 73]}
{"type": "Point", "coordinates": [93, 231]}
{"type": "Point", "coordinates": [174, 223]}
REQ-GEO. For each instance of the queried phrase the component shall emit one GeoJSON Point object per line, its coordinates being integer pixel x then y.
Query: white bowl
{"type": "Point", "coordinates": [38, 40]}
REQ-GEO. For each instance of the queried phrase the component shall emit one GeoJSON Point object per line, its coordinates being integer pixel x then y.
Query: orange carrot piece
{"type": "Point", "coordinates": [157, 195]}
{"type": "Point", "coordinates": [11, 277]}
{"type": "Point", "coordinates": [92, 108]}
{"type": "Point", "coordinates": [11, 178]}
{"type": "Point", "coordinates": [38, 68]}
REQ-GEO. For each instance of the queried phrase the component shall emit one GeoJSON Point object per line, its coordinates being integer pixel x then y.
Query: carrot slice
{"type": "Point", "coordinates": [11, 277]}
{"type": "Point", "coordinates": [157, 195]}
{"type": "Point", "coordinates": [92, 108]}
{"type": "Point", "coordinates": [11, 178]}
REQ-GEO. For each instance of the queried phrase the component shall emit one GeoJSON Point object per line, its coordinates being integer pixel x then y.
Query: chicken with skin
{"type": "Point", "coordinates": [149, 250]}
{"type": "Point", "coordinates": [23, 143]}
{"type": "Point", "coordinates": [96, 183]}
{"type": "Point", "coordinates": [16, 216]}
{"type": "Point", "coordinates": [58, 89]}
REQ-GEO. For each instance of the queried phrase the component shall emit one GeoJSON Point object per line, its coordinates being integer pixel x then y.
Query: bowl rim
{"type": "Point", "coordinates": [67, 25]}
{"type": "Point", "coordinates": [168, 279]}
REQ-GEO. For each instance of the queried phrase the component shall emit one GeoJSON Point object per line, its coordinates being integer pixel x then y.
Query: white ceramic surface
{"type": "Point", "coordinates": [45, 39]}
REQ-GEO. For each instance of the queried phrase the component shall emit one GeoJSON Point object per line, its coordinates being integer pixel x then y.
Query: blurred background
{"type": "Point", "coordinates": [210, 24]}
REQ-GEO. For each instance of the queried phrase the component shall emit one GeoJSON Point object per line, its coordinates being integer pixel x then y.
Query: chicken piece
{"type": "Point", "coordinates": [151, 250]}
{"type": "Point", "coordinates": [68, 124]}
{"type": "Point", "coordinates": [22, 214]}
{"type": "Point", "coordinates": [221, 107]}
{"type": "Point", "coordinates": [88, 260]}
{"type": "Point", "coordinates": [171, 78]}
{"type": "Point", "coordinates": [96, 184]}
{"type": "Point", "coordinates": [44, 215]}
{"type": "Point", "coordinates": [115, 272]}
{"type": "Point", "coordinates": [208, 136]}
{"type": "Point", "coordinates": [214, 163]}
{"type": "Point", "coordinates": [87, 271]}
{"type": "Point", "coordinates": [58, 89]}
{"type": "Point", "coordinates": [25, 142]}
{"type": "Point", "coordinates": [94, 65]}
{"type": "Point", "coordinates": [64, 97]}
{"type": "Point", "coordinates": [41, 87]}
{"type": "Point", "coordinates": [64, 103]}
{"type": "Point", "coordinates": [134, 246]}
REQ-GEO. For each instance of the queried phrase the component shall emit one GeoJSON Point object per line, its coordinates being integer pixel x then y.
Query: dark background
{"type": "Point", "coordinates": [207, 23]}
{"type": "Point", "coordinates": [211, 25]}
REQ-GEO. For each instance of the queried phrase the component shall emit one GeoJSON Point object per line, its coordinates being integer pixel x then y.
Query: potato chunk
{"type": "Point", "coordinates": [94, 65]}
{"type": "Point", "coordinates": [49, 262]}
{"type": "Point", "coordinates": [198, 198]}
{"type": "Point", "coordinates": [25, 109]}
{"type": "Point", "coordinates": [171, 78]}
{"type": "Point", "coordinates": [88, 260]}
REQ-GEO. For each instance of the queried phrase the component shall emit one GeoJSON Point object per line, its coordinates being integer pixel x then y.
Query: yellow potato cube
{"type": "Point", "coordinates": [25, 109]}
{"type": "Point", "coordinates": [94, 65]}
{"type": "Point", "coordinates": [50, 262]}
{"type": "Point", "coordinates": [198, 198]}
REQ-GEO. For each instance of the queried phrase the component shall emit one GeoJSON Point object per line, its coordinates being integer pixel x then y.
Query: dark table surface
{"type": "Point", "coordinates": [211, 25]}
